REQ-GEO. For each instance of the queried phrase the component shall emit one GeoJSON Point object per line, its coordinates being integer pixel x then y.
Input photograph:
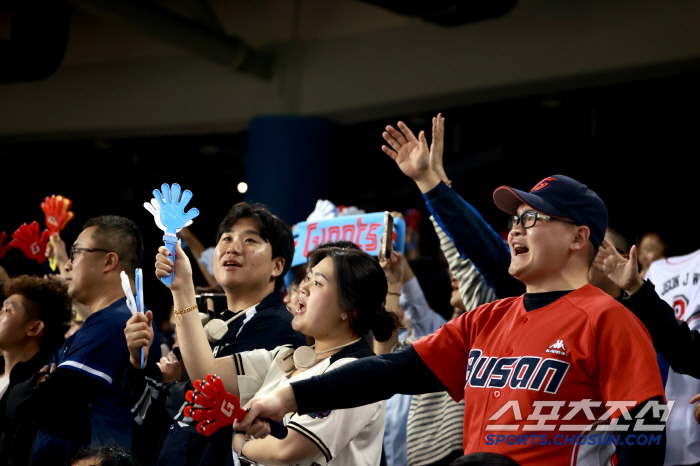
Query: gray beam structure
{"type": "Point", "coordinates": [163, 24]}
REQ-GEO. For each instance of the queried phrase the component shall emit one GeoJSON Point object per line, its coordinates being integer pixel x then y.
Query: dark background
{"type": "Point", "coordinates": [634, 144]}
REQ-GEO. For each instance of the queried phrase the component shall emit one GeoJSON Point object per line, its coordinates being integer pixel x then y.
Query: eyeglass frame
{"type": "Point", "coordinates": [515, 220]}
{"type": "Point", "coordinates": [73, 250]}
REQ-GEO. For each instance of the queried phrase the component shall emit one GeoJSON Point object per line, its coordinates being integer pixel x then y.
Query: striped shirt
{"type": "Point", "coordinates": [435, 421]}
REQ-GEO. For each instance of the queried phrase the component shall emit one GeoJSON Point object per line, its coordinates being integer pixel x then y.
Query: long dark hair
{"type": "Point", "coordinates": [362, 288]}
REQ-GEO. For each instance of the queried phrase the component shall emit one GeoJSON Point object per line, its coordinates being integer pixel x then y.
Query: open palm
{"type": "Point", "coordinates": [621, 270]}
{"type": "Point", "coordinates": [411, 154]}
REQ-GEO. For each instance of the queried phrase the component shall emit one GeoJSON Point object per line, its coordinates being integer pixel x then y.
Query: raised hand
{"type": "Point", "coordinates": [166, 264]}
{"type": "Point", "coordinates": [57, 212]}
{"type": "Point", "coordinates": [411, 154]}
{"type": "Point", "coordinates": [32, 244]}
{"type": "Point", "coordinates": [56, 252]}
{"type": "Point", "coordinates": [621, 271]}
{"type": "Point", "coordinates": [437, 148]}
{"type": "Point", "coordinates": [154, 208]}
{"type": "Point", "coordinates": [139, 334]}
{"type": "Point", "coordinates": [324, 209]}
{"type": "Point", "coordinates": [172, 202]}
{"type": "Point", "coordinates": [393, 269]}
{"type": "Point", "coordinates": [4, 247]}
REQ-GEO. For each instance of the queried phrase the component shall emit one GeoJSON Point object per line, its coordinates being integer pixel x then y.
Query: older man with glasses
{"type": "Point", "coordinates": [79, 400]}
{"type": "Point", "coordinates": [540, 373]}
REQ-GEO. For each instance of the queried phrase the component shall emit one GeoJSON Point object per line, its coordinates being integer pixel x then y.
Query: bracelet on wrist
{"type": "Point", "coordinates": [394, 293]}
{"type": "Point", "coordinates": [178, 314]}
{"type": "Point", "coordinates": [240, 448]}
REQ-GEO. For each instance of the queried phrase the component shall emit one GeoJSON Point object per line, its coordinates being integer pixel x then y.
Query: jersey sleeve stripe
{"type": "Point", "coordinates": [311, 436]}
{"type": "Point", "coordinates": [88, 369]}
{"type": "Point", "coordinates": [239, 364]}
{"type": "Point", "coordinates": [693, 316]}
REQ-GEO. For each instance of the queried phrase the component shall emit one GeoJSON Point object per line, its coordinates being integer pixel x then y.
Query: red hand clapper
{"type": "Point", "coordinates": [212, 407]}
{"type": "Point", "coordinates": [56, 210]}
{"type": "Point", "coordinates": [32, 244]}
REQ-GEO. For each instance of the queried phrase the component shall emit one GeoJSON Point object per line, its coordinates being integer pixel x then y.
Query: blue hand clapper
{"type": "Point", "coordinates": [172, 202]}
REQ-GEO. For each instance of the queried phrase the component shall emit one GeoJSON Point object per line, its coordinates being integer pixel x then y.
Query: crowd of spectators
{"type": "Point", "coordinates": [407, 360]}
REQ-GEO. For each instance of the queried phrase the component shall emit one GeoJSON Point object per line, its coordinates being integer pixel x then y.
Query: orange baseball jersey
{"type": "Point", "coordinates": [535, 381]}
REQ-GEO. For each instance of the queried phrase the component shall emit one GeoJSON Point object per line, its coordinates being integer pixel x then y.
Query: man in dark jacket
{"type": "Point", "coordinates": [32, 324]}
{"type": "Point", "coordinates": [254, 251]}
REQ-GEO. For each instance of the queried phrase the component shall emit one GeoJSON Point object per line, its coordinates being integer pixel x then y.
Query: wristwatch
{"type": "Point", "coordinates": [243, 460]}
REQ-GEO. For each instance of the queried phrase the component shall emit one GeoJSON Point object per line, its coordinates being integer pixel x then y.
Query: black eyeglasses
{"type": "Point", "coordinates": [74, 250]}
{"type": "Point", "coordinates": [529, 218]}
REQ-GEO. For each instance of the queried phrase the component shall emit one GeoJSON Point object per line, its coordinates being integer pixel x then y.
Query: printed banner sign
{"type": "Point", "coordinates": [365, 230]}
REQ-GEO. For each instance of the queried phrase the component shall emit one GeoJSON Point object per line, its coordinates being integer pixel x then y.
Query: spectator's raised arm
{"type": "Point", "coordinates": [196, 352]}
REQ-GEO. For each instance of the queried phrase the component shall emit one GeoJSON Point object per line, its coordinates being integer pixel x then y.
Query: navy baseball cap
{"type": "Point", "coordinates": [560, 196]}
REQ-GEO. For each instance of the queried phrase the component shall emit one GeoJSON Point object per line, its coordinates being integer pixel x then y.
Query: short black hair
{"type": "Point", "coordinates": [106, 456]}
{"type": "Point", "coordinates": [47, 301]}
{"type": "Point", "coordinates": [362, 288]}
{"type": "Point", "coordinates": [120, 235]}
{"type": "Point", "coordinates": [272, 229]}
{"type": "Point", "coordinates": [342, 244]}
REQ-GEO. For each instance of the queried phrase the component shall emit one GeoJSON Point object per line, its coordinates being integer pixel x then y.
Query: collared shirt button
{"type": "Point", "coordinates": [497, 393]}
{"type": "Point", "coordinates": [524, 320]}
{"type": "Point", "coordinates": [509, 352]}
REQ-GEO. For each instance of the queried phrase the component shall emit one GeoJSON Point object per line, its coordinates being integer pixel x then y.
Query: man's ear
{"type": "Point", "coordinates": [111, 261]}
{"type": "Point", "coordinates": [277, 266]}
{"type": "Point", "coordinates": [581, 238]}
{"type": "Point", "coordinates": [36, 328]}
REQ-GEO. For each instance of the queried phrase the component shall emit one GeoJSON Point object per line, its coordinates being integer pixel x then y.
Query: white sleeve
{"type": "Point", "coordinates": [331, 431]}
{"type": "Point", "coordinates": [252, 367]}
{"type": "Point", "coordinates": [422, 318]}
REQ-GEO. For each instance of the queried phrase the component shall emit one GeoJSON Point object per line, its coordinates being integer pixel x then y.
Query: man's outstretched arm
{"type": "Point", "coordinates": [358, 383]}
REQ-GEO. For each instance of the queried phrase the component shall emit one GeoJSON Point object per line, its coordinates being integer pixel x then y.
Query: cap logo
{"type": "Point", "coordinates": [542, 184]}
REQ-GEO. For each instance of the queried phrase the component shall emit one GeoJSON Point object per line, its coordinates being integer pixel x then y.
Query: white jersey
{"type": "Point", "coordinates": [677, 281]}
{"type": "Point", "coordinates": [348, 437]}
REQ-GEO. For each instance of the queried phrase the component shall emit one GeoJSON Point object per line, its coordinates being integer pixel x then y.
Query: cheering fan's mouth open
{"type": "Point", "coordinates": [519, 249]}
